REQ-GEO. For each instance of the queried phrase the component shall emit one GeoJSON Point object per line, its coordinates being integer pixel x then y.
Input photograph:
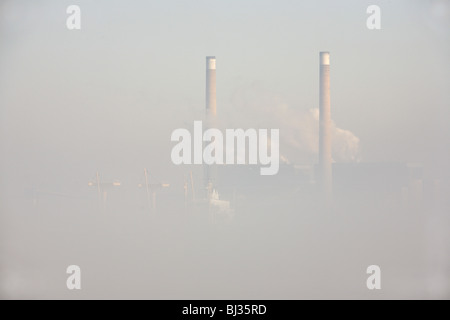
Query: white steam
{"type": "Point", "coordinates": [299, 129]}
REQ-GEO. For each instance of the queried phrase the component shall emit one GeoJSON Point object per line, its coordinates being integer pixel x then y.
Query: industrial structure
{"type": "Point", "coordinates": [226, 189]}
{"type": "Point", "coordinates": [102, 188]}
{"type": "Point", "coordinates": [151, 189]}
{"type": "Point", "coordinates": [325, 174]}
{"type": "Point", "coordinates": [210, 171]}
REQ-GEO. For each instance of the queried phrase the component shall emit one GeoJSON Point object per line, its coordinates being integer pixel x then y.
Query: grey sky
{"type": "Point", "coordinates": [106, 98]}
{"type": "Point", "coordinates": [134, 62]}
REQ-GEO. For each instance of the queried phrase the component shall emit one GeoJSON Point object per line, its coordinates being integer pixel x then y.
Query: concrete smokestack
{"type": "Point", "coordinates": [210, 87]}
{"type": "Point", "coordinates": [325, 174]}
{"type": "Point", "coordinates": [210, 171]}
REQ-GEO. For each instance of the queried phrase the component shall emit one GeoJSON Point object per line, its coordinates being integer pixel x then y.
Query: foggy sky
{"type": "Point", "coordinates": [107, 97]}
{"type": "Point", "coordinates": [133, 69]}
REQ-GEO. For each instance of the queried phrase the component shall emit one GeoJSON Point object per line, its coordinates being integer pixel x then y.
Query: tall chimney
{"type": "Point", "coordinates": [210, 87]}
{"type": "Point", "coordinates": [325, 174]}
{"type": "Point", "coordinates": [210, 171]}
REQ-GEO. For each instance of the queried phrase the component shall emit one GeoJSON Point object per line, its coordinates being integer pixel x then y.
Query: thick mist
{"type": "Point", "coordinates": [106, 99]}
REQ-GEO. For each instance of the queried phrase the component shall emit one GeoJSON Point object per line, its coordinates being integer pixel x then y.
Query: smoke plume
{"type": "Point", "coordinates": [299, 128]}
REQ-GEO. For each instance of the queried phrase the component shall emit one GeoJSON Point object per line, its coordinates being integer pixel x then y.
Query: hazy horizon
{"type": "Point", "coordinates": [107, 97]}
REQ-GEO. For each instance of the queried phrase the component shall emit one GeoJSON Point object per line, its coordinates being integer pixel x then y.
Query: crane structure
{"type": "Point", "coordinates": [102, 189]}
{"type": "Point", "coordinates": [151, 189]}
